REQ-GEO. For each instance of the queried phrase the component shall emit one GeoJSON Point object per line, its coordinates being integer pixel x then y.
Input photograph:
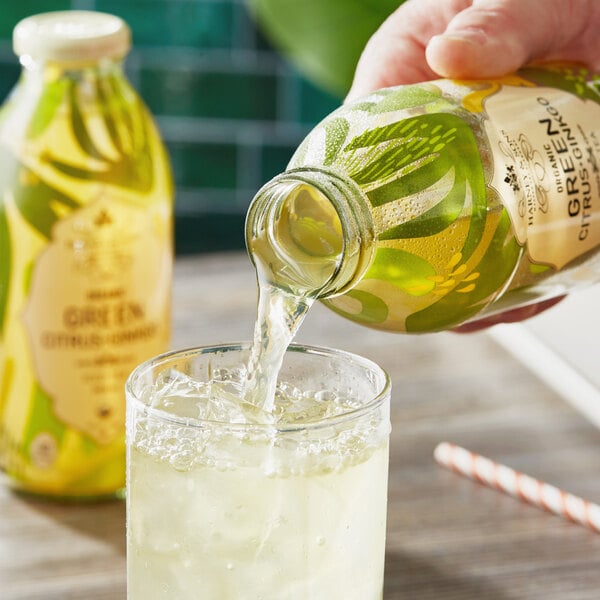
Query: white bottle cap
{"type": "Point", "coordinates": [72, 36]}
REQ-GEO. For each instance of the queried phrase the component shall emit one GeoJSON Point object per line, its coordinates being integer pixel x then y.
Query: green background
{"type": "Point", "coordinates": [231, 110]}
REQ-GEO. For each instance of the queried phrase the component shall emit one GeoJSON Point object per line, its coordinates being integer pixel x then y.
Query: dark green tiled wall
{"type": "Point", "coordinates": [182, 91]}
{"type": "Point", "coordinates": [205, 24]}
{"type": "Point", "coordinates": [12, 12]}
{"type": "Point", "coordinates": [9, 72]}
{"type": "Point", "coordinates": [230, 109]}
{"type": "Point", "coordinates": [274, 159]}
{"type": "Point", "coordinates": [218, 163]}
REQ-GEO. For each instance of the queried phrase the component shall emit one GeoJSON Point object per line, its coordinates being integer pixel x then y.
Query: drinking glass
{"type": "Point", "coordinates": [226, 501]}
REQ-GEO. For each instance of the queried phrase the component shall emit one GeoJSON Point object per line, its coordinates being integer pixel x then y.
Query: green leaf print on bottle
{"type": "Point", "coordinates": [467, 299]}
{"type": "Point", "coordinates": [336, 132]}
{"type": "Point", "coordinates": [406, 271]}
{"type": "Point", "coordinates": [410, 97]}
{"type": "Point", "coordinates": [39, 204]}
{"type": "Point", "coordinates": [50, 100]}
{"type": "Point", "coordinates": [132, 166]}
{"type": "Point", "coordinates": [5, 265]}
{"type": "Point", "coordinates": [570, 78]}
{"type": "Point", "coordinates": [40, 195]}
{"type": "Point", "coordinates": [423, 176]}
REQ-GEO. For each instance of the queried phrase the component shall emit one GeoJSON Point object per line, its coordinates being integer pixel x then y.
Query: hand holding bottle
{"type": "Point", "coordinates": [425, 39]}
{"type": "Point", "coordinates": [428, 39]}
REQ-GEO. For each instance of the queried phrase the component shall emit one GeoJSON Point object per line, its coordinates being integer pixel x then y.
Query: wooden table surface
{"type": "Point", "coordinates": [448, 538]}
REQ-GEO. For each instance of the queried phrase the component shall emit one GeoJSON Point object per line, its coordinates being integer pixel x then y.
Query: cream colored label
{"type": "Point", "coordinates": [546, 148]}
{"type": "Point", "coordinates": [98, 306]}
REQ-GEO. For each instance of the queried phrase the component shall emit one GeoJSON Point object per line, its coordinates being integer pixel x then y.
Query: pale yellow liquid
{"type": "Point", "coordinates": [248, 519]}
{"type": "Point", "coordinates": [293, 261]}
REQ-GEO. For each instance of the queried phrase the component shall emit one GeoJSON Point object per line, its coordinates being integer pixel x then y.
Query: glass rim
{"type": "Point", "coordinates": [378, 398]}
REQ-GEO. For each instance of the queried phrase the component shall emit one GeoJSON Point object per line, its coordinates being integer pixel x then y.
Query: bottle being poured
{"type": "Point", "coordinates": [299, 237]}
{"type": "Point", "coordinates": [423, 207]}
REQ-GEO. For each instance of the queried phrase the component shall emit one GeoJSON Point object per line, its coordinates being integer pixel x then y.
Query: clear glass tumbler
{"type": "Point", "coordinates": [225, 502]}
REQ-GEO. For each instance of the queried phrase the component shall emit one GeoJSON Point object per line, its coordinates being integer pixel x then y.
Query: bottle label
{"type": "Point", "coordinates": [98, 306]}
{"type": "Point", "coordinates": [546, 149]}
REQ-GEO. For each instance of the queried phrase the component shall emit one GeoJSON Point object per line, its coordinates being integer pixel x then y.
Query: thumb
{"type": "Point", "coordinates": [495, 37]}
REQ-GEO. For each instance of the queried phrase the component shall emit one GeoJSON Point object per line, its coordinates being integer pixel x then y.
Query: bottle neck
{"type": "Point", "coordinates": [310, 231]}
{"type": "Point", "coordinates": [51, 70]}
{"type": "Point", "coordinates": [50, 82]}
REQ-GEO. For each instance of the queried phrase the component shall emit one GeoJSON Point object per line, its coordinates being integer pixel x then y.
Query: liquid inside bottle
{"type": "Point", "coordinates": [86, 257]}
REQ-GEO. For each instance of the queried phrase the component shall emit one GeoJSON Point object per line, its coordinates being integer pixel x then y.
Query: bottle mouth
{"type": "Point", "coordinates": [310, 231]}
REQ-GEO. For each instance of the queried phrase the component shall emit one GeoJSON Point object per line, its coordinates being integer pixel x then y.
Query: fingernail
{"type": "Point", "coordinates": [471, 35]}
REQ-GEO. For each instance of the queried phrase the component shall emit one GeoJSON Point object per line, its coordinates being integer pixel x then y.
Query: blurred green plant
{"type": "Point", "coordinates": [322, 38]}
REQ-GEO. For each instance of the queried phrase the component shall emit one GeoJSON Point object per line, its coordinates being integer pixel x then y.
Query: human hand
{"type": "Point", "coordinates": [461, 39]}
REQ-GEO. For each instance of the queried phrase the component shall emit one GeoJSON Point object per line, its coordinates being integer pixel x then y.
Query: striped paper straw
{"type": "Point", "coordinates": [518, 485]}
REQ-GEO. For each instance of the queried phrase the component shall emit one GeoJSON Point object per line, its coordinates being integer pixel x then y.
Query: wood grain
{"type": "Point", "coordinates": [448, 538]}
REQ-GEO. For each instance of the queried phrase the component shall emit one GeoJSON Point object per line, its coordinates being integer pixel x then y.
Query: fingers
{"type": "Point", "coordinates": [426, 39]}
{"type": "Point", "coordinates": [396, 52]}
{"type": "Point", "coordinates": [495, 37]}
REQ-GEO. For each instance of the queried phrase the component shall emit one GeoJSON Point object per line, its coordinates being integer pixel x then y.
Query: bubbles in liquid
{"type": "Point", "coordinates": [224, 400]}
{"type": "Point", "coordinates": [273, 446]}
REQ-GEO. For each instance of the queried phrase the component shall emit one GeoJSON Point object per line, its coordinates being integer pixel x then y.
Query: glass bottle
{"type": "Point", "coordinates": [85, 254]}
{"type": "Point", "coordinates": [419, 208]}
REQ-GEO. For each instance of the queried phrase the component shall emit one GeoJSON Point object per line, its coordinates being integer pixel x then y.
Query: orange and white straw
{"type": "Point", "coordinates": [518, 485]}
